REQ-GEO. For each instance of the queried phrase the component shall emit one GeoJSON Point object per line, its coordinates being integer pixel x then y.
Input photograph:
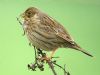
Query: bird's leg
{"type": "Point", "coordinates": [52, 53]}
{"type": "Point", "coordinates": [48, 58]}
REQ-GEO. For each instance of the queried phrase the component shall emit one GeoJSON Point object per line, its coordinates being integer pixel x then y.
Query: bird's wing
{"type": "Point", "coordinates": [56, 27]}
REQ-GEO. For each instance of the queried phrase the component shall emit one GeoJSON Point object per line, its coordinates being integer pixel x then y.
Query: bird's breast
{"type": "Point", "coordinates": [25, 24]}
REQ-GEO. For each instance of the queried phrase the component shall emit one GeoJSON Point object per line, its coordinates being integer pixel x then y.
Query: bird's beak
{"type": "Point", "coordinates": [22, 15]}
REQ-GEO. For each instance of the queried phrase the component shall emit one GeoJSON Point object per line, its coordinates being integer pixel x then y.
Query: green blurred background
{"type": "Point", "coordinates": [80, 17]}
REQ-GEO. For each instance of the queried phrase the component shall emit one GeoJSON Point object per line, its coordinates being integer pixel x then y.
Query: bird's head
{"type": "Point", "coordinates": [30, 12]}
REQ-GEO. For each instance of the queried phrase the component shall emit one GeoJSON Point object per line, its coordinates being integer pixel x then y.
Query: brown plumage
{"type": "Point", "coordinates": [46, 33]}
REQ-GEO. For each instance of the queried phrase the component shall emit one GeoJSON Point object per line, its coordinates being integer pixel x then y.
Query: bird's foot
{"type": "Point", "coordinates": [45, 58]}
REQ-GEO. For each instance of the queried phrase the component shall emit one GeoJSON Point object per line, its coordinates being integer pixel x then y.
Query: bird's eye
{"type": "Point", "coordinates": [29, 13]}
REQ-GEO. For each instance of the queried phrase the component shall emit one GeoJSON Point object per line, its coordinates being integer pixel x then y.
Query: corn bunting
{"type": "Point", "coordinates": [46, 33]}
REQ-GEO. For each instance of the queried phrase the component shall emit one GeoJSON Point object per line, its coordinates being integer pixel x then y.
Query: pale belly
{"type": "Point", "coordinates": [40, 42]}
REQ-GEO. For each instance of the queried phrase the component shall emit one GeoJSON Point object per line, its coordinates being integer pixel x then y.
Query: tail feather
{"type": "Point", "coordinates": [77, 47]}
{"type": "Point", "coordinates": [87, 53]}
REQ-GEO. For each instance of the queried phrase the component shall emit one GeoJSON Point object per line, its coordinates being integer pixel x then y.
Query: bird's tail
{"type": "Point", "coordinates": [77, 47]}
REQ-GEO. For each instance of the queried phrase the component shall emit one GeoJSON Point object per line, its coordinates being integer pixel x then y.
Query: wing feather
{"type": "Point", "coordinates": [56, 27]}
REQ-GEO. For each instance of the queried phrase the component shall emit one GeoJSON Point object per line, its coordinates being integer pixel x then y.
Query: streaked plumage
{"type": "Point", "coordinates": [46, 33]}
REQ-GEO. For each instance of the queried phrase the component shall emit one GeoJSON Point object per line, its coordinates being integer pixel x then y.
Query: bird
{"type": "Point", "coordinates": [46, 33]}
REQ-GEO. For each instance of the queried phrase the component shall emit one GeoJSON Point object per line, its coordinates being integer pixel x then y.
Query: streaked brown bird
{"type": "Point", "coordinates": [46, 33]}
